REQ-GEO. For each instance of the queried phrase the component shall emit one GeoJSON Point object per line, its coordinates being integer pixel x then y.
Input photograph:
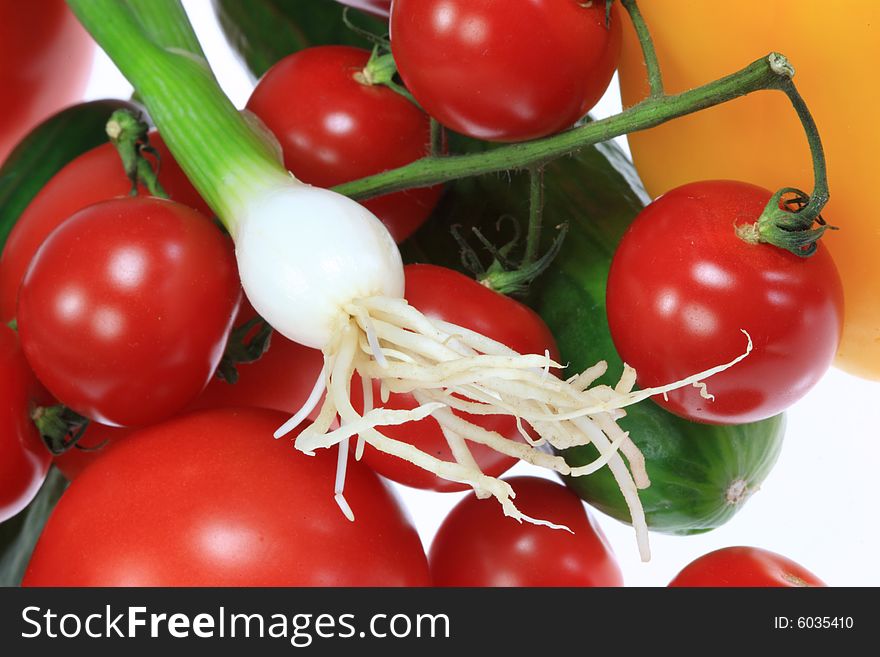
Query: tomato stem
{"type": "Point", "coordinates": [375, 39]}
{"type": "Point", "coordinates": [536, 214]}
{"type": "Point", "coordinates": [651, 112]}
{"type": "Point", "coordinates": [381, 70]}
{"type": "Point", "coordinates": [792, 219]}
{"type": "Point", "coordinates": [130, 135]}
{"type": "Point", "coordinates": [437, 138]}
{"type": "Point", "coordinates": [655, 79]}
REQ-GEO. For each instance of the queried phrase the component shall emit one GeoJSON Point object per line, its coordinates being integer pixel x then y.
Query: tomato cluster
{"type": "Point", "coordinates": [126, 310]}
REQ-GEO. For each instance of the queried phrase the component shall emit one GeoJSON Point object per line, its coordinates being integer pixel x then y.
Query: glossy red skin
{"type": "Point", "coordinates": [499, 73]}
{"type": "Point", "coordinates": [95, 442]}
{"type": "Point", "coordinates": [445, 294]}
{"type": "Point", "coordinates": [742, 567]}
{"type": "Point", "coordinates": [144, 292]}
{"type": "Point", "coordinates": [210, 499]}
{"type": "Point", "coordinates": [24, 459]}
{"type": "Point", "coordinates": [92, 177]}
{"type": "Point", "coordinates": [477, 545]}
{"type": "Point", "coordinates": [280, 380]}
{"type": "Point", "coordinates": [347, 130]}
{"type": "Point", "coordinates": [682, 285]}
{"type": "Point", "coordinates": [46, 59]}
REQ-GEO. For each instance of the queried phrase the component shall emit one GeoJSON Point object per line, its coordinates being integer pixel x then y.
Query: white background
{"type": "Point", "coordinates": [818, 506]}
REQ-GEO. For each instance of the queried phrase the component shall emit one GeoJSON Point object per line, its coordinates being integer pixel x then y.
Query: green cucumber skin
{"type": "Point", "coordinates": [264, 31]}
{"type": "Point", "coordinates": [693, 469]}
{"type": "Point", "coordinates": [692, 466]}
{"type": "Point", "coordinates": [46, 150]}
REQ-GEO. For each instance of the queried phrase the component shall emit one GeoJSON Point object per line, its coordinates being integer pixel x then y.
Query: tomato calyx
{"type": "Point", "coordinates": [60, 427]}
{"type": "Point", "coordinates": [787, 224]}
{"type": "Point", "coordinates": [130, 135]}
{"type": "Point", "coordinates": [506, 274]}
{"type": "Point", "coordinates": [247, 344]}
{"type": "Point", "coordinates": [381, 69]}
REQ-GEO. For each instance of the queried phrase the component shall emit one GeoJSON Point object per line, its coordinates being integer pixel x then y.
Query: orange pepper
{"type": "Point", "coordinates": [835, 49]}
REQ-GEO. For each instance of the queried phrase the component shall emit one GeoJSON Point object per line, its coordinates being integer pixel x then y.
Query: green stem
{"type": "Point", "coordinates": [536, 214]}
{"type": "Point", "coordinates": [820, 194]}
{"type": "Point", "coordinates": [192, 113]}
{"type": "Point", "coordinates": [655, 79]}
{"type": "Point", "coordinates": [789, 220]}
{"type": "Point", "coordinates": [167, 25]}
{"type": "Point", "coordinates": [757, 76]}
{"type": "Point", "coordinates": [436, 138]}
{"type": "Point", "coordinates": [130, 135]}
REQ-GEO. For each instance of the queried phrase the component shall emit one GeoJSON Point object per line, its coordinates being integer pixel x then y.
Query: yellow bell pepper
{"type": "Point", "coordinates": [835, 49]}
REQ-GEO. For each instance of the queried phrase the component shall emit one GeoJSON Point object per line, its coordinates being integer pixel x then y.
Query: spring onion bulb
{"type": "Point", "coordinates": [324, 272]}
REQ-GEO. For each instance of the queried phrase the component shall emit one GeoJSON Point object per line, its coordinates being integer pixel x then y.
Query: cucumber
{"type": "Point", "coordinates": [701, 475]}
{"type": "Point", "coordinates": [47, 148]}
{"type": "Point", "coordinates": [264, 31]}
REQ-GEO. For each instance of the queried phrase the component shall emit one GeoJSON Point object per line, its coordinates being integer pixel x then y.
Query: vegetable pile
{"type": "Point", "coordinates": [340, 265]}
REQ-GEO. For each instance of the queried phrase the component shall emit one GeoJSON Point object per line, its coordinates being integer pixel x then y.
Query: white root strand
{"type": "Point", "coordinates": [312, 402]}
{"type": "Point", "coordinates": [452, 371]}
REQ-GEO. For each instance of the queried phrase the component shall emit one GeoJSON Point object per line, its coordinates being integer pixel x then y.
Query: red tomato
{"type": "Point", "coordinates": [281, 380]}
{"type": "Point", "coordinates": [92, 445]}
{"type": "Point", "coordinates": [24, 459]}
{"type": "Point", "coordinates": [682, 285]}
{"type": "Point", "coordinates": [477, 545]}
{"type": "Point", "coordinates": [210, 499]}
{"type": "Point", "coordinates": [94, 176]}
{"type": "Point", "coordinates": [744, 566]}
{"type": "Point", "coordinates": [505, 73]}
{"type": "Point", "coordinates": [445, 294]}
{"type": "Point", "coordinates": [46, 58]}
{"type": "Point", "coordinates": [144, 292]}
{"type": "Point", "coordinates": [347, 129]}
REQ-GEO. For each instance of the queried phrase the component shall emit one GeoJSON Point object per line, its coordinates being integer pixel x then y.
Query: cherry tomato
{"type": "Point", "coordinates": [281, 380]}
{"type": "Point", "coordinates": [348, 129]}
{"type": "Point", "coordinates": [210, 499]}
{"type": "Point", "coordinates": [24, 459]}
{"type": "Point", "coordinates": [505, 73]}
{"type": "Point", "coordinates": [477, 545]}
{"type": "Point", "coordinates": [683, 285]}
{"type": "Point", "coordinates": [144, 292]}
{"type": "Point", "coordinates": [46, 58]}
{"type": "Point", "coordinates": [92, 445]}
{"type": "Point", "coordinates": [445, 294]}
{"type": "Point", "coordinates": [94, 176]}
{"type": "Point", "coordinates": [744, 566]}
